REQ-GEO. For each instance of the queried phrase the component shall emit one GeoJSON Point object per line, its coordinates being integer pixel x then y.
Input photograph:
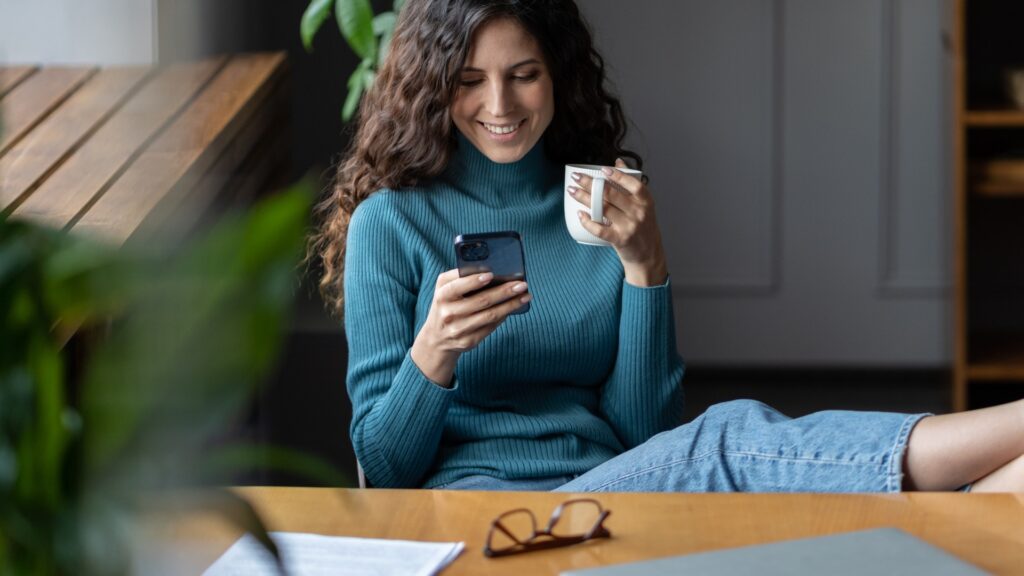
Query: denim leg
{"type": "Point", "coordinates": [746, 446]}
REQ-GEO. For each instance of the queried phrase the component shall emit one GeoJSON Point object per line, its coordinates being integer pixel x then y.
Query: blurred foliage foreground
{"type": "Point", "coordinates": [177, 342]}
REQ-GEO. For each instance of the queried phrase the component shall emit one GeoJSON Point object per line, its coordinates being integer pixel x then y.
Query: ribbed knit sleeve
{"type": "Point", "coordinates": [398, 414]}
{"type": "Point", "coordinates": [644, 395]}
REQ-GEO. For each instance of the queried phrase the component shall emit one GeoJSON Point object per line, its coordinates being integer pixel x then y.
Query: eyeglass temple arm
{"type": "Point", "coordinates": [531, 546]}
{"type": "Point", "coordinates": [599, 531]}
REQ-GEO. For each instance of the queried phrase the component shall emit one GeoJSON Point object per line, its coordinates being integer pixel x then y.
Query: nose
{"type": "Point", "coordinates": [499, 101]}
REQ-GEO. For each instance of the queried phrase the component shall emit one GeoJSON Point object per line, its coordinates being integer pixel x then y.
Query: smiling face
{"type": "Point", "coordinates": [505, 99]}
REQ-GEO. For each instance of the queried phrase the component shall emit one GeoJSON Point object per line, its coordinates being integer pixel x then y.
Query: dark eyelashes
{"type": "Point", "coordinates": [521, 78]}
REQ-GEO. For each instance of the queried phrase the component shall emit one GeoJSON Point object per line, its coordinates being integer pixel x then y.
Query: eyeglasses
{"type": "Point", "coordinates": [574, 521]}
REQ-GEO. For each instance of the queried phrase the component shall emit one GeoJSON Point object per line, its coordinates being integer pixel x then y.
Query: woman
{"type": "Point", "coordinates": [472, 117]}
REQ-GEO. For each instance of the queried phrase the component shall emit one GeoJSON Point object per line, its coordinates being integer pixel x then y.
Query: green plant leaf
{"type": "Point", "coordinates": [51, 437]}
{"type": "Point", "coordinates": [383, 23]}
{"type": "Point", "coordinates": [355, 92]}
{"type": "Point", "coordinates": [314, 16]}
{"type": "Point", "coordinates": [239, 512]}
{"type": "Point", "coordinates": [384, 26]}
{"type": "Point", "coordinates": [84, 281]}
{"type": "Point", "coordinates": [385, 45]}
{"type": "Point", "coordinates": [356, 85]}
{"type": "Point", "coordinates": [369, 77]}
{"type": "Point", "coordinates": [355, 20]}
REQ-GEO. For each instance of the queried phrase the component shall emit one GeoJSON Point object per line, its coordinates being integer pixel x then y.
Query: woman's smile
{"type": "Point", "coordinates": [502, 132]}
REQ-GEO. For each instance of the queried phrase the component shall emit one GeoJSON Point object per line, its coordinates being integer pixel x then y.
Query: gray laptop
{"type": "Point", "coordinates": [883, 551]}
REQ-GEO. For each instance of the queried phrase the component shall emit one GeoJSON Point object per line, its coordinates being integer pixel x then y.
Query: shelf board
{"type": "Point", "coordinates": [995, 373]}
{"type": "Point", "coordinates": [996, 358]}
{"type": "Point", "coordinates": [994, 118]}
{"type": "Point", "coordinates": [997, 189]}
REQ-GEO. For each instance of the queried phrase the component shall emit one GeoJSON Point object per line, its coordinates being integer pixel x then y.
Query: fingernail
{"type": "Point", "coordinates": [526, 298]}
{"type": "Point", "coordinates": [484, 277]}
{"type": "Point", "coordinates": [521, 287]}
{"type": "Point", "coordinates": [607, 171]}
{"type": "Point", "coordinates": [572, 190]}
{"type": "Point", "coordinates": [576, 176]}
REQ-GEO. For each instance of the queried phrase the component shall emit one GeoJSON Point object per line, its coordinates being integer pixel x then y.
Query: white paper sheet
{"type": "Point", "coordinates": [316, 555]}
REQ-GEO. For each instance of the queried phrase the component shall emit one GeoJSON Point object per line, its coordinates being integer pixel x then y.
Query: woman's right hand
{"type": "Point", "coordinates": [457, 323]}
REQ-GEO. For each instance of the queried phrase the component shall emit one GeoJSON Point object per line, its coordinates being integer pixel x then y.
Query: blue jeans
{"type": "Point", "coordinates": [746, 446]}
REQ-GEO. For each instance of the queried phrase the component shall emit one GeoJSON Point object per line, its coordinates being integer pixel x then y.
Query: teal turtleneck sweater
{"type": "Point", "coordinates": [589, 371]}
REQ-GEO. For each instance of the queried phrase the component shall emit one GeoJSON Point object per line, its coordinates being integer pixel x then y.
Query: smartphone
{"type": "Point", "coordinates": [500, 253]}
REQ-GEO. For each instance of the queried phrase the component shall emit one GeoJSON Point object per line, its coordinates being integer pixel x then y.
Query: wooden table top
{"type": "Point", "coordinates": [984, 529]}
{"type": "Point", "coordinates": [104, 150]}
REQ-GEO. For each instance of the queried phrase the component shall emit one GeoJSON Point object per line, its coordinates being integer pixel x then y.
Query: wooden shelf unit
{"type": "Point", "coordinates": [987, 242]}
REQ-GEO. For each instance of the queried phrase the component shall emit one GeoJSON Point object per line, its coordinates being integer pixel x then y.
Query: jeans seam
{"type": "Point", "coordinates": [789, 458]}
{"type": "Point", "coordinates": [727, 453]}
{"type": "Point", "coordinates": [895, 477]}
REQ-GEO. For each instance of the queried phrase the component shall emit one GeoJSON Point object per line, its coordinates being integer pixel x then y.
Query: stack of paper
{"type": "Point", "coordinates": [315, 555]}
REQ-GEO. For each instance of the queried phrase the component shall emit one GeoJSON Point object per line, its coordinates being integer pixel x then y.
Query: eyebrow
{"type": "Point", "coordinates": [512, 67]}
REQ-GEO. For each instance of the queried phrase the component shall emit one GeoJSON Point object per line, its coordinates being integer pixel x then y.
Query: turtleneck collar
{"type": "Point", "coordinates": [529, 178]}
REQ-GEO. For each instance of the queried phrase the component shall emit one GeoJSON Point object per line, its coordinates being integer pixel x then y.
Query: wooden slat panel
{"type": "Point", "coordinates": [30, 102]}
{"type": "Point", "coordinates": [11, 76]}
{"type": "Point", "coordinates": [91, 169]}
{"type": "Point", "coordinates": [23, 167]}
{"type": "Point", "coordinates": [266, 167]}
{"type": "Point", "coordinates": [248, 160]}
{"type": "Point", "coordinates": [186, 150]}
{"type": "Point", "coordinates": [245, 164]}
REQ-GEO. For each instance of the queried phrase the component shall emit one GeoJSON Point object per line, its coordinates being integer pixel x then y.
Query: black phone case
{"type": "Point", "coordinates": [504, 258]}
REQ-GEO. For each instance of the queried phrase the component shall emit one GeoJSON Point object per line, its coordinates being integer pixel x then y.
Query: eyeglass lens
{"type": "Point", "coordinates": [574, 518]}
{"type": "Point", "coordinates": [512, 528]}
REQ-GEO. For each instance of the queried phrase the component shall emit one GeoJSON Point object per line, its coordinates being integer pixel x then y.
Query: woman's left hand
{"type": "Point", "coordinates": [629, 224]}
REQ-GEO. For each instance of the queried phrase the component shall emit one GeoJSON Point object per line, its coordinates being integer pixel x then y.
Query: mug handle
{"type": "Point", "coordinates": [597, 199]}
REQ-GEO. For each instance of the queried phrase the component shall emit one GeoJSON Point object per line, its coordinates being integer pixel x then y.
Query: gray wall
{"type": "Point", "coordinates": [77, 31]}
{"type": "Point", "coordinates": [798, 151]}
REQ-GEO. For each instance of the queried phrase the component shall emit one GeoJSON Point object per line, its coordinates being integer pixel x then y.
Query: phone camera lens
{"type": "Point", "coordinates": [474, 251]}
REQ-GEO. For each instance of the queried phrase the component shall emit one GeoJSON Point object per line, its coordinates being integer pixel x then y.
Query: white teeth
{"type": "Point", "coordinates": [501, 129]}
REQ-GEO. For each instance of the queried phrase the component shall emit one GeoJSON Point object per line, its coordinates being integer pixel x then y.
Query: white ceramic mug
{"type": "Point", "coordinates": [596, 212]}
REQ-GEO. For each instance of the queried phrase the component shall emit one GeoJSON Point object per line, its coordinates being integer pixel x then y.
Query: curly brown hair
{"type": "Point", "coordinates": [405, 134]}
